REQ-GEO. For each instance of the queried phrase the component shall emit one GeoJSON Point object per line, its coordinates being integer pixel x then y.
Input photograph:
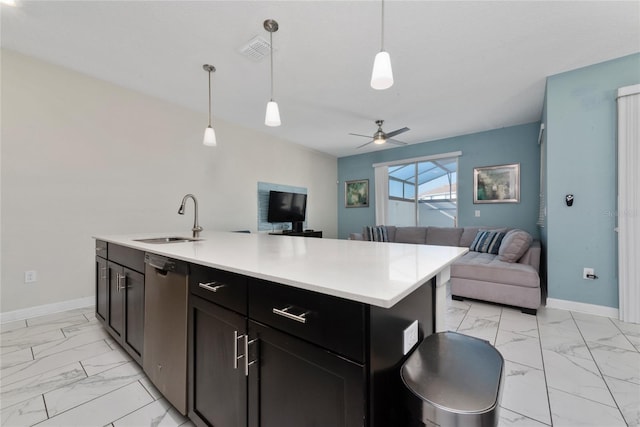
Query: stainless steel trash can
{"type": "Point", "coordinates": [453, 380]}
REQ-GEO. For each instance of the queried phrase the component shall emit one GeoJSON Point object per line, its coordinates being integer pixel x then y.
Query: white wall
{"type": "Point", "coordinates": [82, 157]}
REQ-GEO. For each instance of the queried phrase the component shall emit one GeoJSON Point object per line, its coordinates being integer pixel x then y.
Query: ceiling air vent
{"type": "Point", "coordinates": [256, 49]}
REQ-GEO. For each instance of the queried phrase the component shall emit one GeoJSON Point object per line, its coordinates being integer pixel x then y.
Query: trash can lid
{"type": "Point", "coordinates": [455, 372]}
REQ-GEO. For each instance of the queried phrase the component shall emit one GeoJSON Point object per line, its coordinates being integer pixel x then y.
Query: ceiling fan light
{"type": "Point", "coordinates": [382, 75]}
{"type": "Point", "coordinates": [272, 117]}
{"type": "Point", "coordinates": [209, 137]}
{"type": "Point", "coordinates": [379, 139]}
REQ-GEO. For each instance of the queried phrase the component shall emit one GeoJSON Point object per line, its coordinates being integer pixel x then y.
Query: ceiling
{"type": "Point", "coordinates": [459, 67]}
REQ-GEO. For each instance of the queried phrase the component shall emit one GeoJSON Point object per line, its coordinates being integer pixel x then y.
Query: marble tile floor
{"type": "Point", "coordinates": [562, 369]}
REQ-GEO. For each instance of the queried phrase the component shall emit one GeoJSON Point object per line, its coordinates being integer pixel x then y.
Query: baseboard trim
{"type": "Point", "coordinates": [597, 310]}
{"type": "Point", "coordinates": [42, 310]}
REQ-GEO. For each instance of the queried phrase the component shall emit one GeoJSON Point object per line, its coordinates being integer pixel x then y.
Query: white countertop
{"type": "Point", "coordinates": [375, 273]}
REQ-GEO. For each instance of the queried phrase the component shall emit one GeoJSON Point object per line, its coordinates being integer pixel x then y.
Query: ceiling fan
{"type": "Point", "coordinates": [380, 137]}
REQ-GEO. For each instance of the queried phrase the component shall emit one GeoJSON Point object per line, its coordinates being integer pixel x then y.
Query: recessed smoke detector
{"type": "Point", "coordinates": [256, 49]}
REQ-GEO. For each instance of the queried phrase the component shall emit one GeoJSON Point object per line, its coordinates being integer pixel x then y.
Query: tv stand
{"type": "Point", "coordinates": [307, 233]}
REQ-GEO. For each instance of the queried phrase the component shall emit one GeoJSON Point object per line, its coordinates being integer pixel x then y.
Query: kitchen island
{"type": "Point", "coordinates": [316, 326]}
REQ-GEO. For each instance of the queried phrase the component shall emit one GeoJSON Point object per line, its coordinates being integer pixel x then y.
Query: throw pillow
{"type": "Point", "coordinates": [470, 233]}
{"type": "Point", "coordinates": [376, 234]}
{"type": "Point", "coordinates": [487, 241]}
{"type": "Point", "coordinates": [514, 245]}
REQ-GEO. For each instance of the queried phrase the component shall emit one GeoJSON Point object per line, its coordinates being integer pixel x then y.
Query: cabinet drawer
{"type": "Point", "coordinates": [101, 248]}
{"type": "Point", "coordinates": [218, 286]}
{"type": "Point", "coordinates": [333, 323]}
{"type": "Point", "coordinates": [128, 257]}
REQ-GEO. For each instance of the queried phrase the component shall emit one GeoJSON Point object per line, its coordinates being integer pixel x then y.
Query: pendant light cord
{"type": "Point", "coordinates": [382, 28]}
{"type": "Point", "coordinates": [271, 58]}
{"type": "Point", "coordinates": [209, 98]}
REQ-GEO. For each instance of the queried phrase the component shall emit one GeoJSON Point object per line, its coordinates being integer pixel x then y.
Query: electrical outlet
{"type": "Point", "coordinates": [409, 337]}
{"type": "Point", "coordinates": [30, 276]}
{"type": "Point", "coordinates": [477, 212]}
{"type": "Point", "coordinates": [588, 273]}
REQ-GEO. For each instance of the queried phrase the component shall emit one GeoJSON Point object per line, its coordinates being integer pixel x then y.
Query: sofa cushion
{"type": "Point", "coordinates": [487, 242]}
{"type": "Point", "coordinates": [411, 235]}
{"type": "Point", "coordinates": [391, 232]}
{"type": "Point", "coordinates": [443, 236]}
{"type": "Point", "coordinates": [488, 268]}
{"type": "Point", "coordinates": [514, 245]}
{"type": "Point", "coordinates": [375, 234]}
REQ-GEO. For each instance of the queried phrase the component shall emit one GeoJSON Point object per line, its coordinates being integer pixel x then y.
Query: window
{"type": "Point", "coordinates": [423, 193]}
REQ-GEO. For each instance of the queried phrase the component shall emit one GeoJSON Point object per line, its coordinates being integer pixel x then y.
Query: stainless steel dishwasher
{"type": "Point", "coordinates": [164, 359]}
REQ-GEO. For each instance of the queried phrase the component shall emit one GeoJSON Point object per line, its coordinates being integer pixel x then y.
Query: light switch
{"type": "Point", "coordinates": [477, 212]}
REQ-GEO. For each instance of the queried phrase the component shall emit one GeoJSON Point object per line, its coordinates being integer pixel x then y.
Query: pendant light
{"type": "Point", "coordinates": [209, 134]}
{"type": "Point", "coordinates": [382, 75]}
{"type": "Point", "coordinates": [272, 116]}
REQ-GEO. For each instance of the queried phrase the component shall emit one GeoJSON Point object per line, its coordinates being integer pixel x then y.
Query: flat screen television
{"type": "Point", "coordinates": [287, 207]}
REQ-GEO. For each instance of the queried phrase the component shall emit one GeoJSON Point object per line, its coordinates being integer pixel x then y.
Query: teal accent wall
{"type": "Point", "coordinates": [516, 144]}
{"type": "Point", "coordinates": [581, 160]}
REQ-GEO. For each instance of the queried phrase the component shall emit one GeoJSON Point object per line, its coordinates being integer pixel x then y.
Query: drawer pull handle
{"type": "Point", "coordinates": [120, 278]}
{"type": "Point", "coordinates": [247, 343]}
{"type": "Point", "coordinates": [284, 312]}
{"type": "Point", "coordinates": [235, 347]}
{"type": "Point", "coordinates": [237, 357]}
{"type": "Point", "coordinates": [212, 286]}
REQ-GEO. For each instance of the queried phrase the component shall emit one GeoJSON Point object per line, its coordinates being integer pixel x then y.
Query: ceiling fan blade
{"type": "Point", "coordinates": [357, 134]}
{"type": "Point", "coordinates": [395, 142]}
{"type": "Point", "coordinates": [397, 132]}
{"type": "Point", "coordinates": [360, 146]}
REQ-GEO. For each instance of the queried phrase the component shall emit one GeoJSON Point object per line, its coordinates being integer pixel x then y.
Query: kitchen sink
{"type": "Point", "coordinates": [172, 239]}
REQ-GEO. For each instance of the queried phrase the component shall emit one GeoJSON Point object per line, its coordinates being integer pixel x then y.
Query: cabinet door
{"type": "Point", "coordinates": [102, 289]}
{"type": "Point", "coordinates": [116, 297]}
{"type": "Point", "coordinates": [296, 383]}
{"type": "Point", "coordinates": [218, 386]}
{"type": "Point", "coordinates": [134, 313]}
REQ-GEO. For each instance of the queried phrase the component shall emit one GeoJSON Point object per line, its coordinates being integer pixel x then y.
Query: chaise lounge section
{"type": "Point", "coordinates": [502, 265]}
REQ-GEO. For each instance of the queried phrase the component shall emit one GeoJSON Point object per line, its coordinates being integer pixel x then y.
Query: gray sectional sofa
{"type": "Point", "coordinates": [502, 265]}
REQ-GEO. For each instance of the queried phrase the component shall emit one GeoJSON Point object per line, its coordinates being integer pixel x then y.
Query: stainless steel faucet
{"type": "Point", "coordinates": [196, 227]}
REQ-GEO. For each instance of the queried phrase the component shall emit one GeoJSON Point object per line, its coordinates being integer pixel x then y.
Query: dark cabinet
{"type": "Point", "coordinates": [102, 289]}
{"type": "Point", "coordinates": [133, 294]}
{"type": "Point", "coordinates": [117, 284]}
{"type": "Point", "coordinates": [252, 366]}
{"type": "Point", "coordinates": [217, 339]}
{"type": "Point", "coordinates": [262, 354]}
{"type": "Point", "coordinates": [120, 295]}
{"type": "Point", "coordinates": [218, 385]}
{"type": "Point", "coordinates": [295, 383]}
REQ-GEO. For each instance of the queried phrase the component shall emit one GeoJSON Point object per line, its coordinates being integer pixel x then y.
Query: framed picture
{"type": "Point", "coordinates": [497, 184]}
{"type": "Point", "coordinates": [356, 193]}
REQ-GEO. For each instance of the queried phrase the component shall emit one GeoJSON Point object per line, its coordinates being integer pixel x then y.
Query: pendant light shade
{"type": "Point", "coordinates": [209, 137]}
{"type": "Point", "coordinates": [272, 116]}
{"type": "Point", "coordinates": [382, 75]}
{"type": "Point", "coordinates": [209, 134]}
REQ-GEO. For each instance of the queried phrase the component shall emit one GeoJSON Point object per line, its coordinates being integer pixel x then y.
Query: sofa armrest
{"type": "Point", "coordinates": [356, 236]}
{"type": "Point", "coordinates": [532, 255]}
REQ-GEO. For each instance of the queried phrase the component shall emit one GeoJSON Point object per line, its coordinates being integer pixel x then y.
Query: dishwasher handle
{"type": "Point", "coordinates": [165, 264]}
